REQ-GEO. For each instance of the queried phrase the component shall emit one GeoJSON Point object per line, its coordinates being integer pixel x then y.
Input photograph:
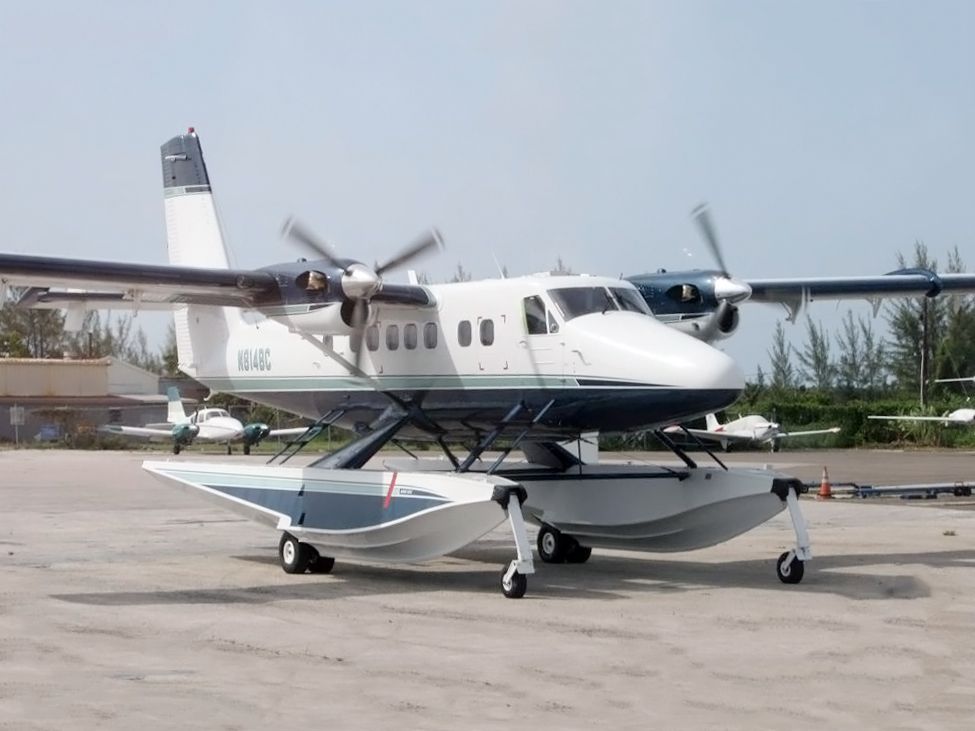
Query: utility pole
{"type": "Point", "coordinates": [925, 346]}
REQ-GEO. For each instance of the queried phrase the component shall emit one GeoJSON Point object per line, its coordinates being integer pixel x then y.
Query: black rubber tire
{"type": "Point", "coordinates": [295, 555]}
{"type": "Point", "coordinates": [176, 448]}
{"type": "Point", "coordinates": [577, 553]}
{"type": "Point", "coordinates": [517, 587]}
{"type": "Point", "coordinates": [247, 448]}
{"type": "Point", "coordinates": [552, 545]}
{"type": "Point", "coordinates": [319, 564]}
{"type": "Point", "coordinates": [791, 574]}
{"type": "Point", "coordinates": [230, 450]}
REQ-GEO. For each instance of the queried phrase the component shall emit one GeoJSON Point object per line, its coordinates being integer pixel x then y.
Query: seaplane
{"type": "Point", "coordinates": [480, 369]}
{"type": "Point", "coordinates": [208, 424]}
{"type": "Point", "coordinates": [749, 429]}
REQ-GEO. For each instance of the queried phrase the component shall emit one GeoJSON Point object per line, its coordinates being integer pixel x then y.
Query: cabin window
{"type": "Point", "coordinates": [535, 315]}
{"type": "Point", "coordinates": [409, 336]}
{"type": "Point", "coordinates": [487, 332]}
{"type": "Point", "coordinates": [464, 333]}
{"type": "Point", "coordinates": [392, 337]}
{"type": "Point", "coordinates": [430, 335]}
{"type": "Point", "coordinates": [372, 337]}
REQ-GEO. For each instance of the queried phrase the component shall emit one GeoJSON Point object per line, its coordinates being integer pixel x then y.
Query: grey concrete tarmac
{"type": "Point", "coordinates": [126, 605]}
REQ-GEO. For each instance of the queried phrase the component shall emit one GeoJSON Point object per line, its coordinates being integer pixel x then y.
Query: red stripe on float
{"type": "Point", "coordinates": [389, 492]}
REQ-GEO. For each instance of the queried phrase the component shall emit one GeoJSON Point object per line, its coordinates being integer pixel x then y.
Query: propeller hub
{"type": "Point", "coordinates": [731, 290]}
{"type": "Point", "coordinates": [360, 282]}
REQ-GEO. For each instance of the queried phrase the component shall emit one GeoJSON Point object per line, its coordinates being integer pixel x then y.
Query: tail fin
{"type": "Point", "coordinates": [175, 414]}
{"type": "Point", "coordinates": [194, 238]}
{"type": "Point", "coordinates": [712, 422]}
{"type": "Point", "coordinates": [192, 229]}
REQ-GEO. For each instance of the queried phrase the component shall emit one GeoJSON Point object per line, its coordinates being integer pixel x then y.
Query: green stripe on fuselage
{"type": "Point", "coordinates": [390, 383]}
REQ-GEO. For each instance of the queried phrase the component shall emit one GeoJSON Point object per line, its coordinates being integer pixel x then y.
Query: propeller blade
{"type": "Point", "coordinates": [713, 325]}
{"type": "Point", "coordinates": [360, 315]}
{"type": "Point", "coordinates": [296, 232]}
{"type": "Point", "coordinates": [702, 217]}
{"type": "Point", "coordinates": [432, 240]}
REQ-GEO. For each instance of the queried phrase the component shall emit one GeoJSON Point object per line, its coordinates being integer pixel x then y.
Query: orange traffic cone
{"type": "Point", "coordinates": [825, 489]}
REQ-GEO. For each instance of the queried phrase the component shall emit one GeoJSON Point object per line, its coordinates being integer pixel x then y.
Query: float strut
{"type": "Point", "coordinates": [802, 549]}
{"type": "Point", "coordinates": [511, 499]}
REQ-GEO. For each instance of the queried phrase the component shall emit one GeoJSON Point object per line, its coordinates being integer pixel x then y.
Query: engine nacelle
{"type": "Point", "coordinates": [255, 433]}
{"type": "Point", "coordinates": [727, 322]}
{"type": "Point", "coordinates": [330, 318]}
{"type": "Point", "coordinates": [716, 325]}
{"type": "Point", "coordinates": [184, 434]}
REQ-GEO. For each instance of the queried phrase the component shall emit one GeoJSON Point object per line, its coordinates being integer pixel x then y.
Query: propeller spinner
{"type": "Point", "coordinates": [359, 282]}
{"type": "Point", "coordinates": [726, 288]}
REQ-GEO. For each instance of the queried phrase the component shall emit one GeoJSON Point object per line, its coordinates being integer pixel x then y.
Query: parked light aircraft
{"type": "Point", "coordinates": [704, 303]}
{"type": "Point", "coordinates": [531, 360]}
{"type": "Point", "coordinates": [746, 429]}
{"type": "Point", "coordinates": [203, 425]}
{"type": "Point", "coordinates": [964, 416]}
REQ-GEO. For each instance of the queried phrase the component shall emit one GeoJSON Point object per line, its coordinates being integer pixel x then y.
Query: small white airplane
{"type": "Point", "coordinates": [746, 429]}
{"type": "Point", "coordinates": [963, 416]}
{"type": "Point", "coordinates": [203, 425]}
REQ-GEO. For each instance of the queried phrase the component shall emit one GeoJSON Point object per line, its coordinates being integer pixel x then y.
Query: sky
{"type": "Point", "coordinates": [826, 136]}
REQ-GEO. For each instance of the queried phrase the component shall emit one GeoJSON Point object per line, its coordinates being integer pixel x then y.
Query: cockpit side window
{"type": "Point", "coordinates": [553, 324]}
{"type": "Point", "coordinates": [535, 315]}
{"type": "Point", "coordinates": [684, 293]}
{"type": "Point", "coordinates": [312, 281]}
{"type": "Point", "coordinates": [577, 301]}
{"type": "Point", "coordinates": [630, 300]}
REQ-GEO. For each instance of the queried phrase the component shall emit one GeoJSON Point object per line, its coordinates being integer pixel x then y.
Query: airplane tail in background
{"type": "Point", "coordinates": [712, 422]}
{"type": "Point", "coordinates": [175, 413]}
{"type": "Point", "coordinates": [195, 238]}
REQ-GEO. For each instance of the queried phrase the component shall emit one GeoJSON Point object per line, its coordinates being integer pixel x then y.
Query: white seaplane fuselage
{"type": "Point", "coordinates": [483, 347]}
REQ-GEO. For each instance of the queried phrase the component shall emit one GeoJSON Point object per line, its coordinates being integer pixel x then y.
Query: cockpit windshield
{"type": "Point", "coordinates": [577, 301]}
{"type": "Point", "coordinates": [213, 414]}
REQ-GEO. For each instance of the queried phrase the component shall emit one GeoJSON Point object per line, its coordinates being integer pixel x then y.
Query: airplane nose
{"type": "Point", "coordinates": [717, 370]}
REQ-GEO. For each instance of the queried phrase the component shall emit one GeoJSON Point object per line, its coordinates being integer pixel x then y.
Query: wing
{"type": "Point", "coordinates": [943, 419]}
{"type": "Point", "coordinates": [831, 430]}
{"type": "Point", "coordinates": [714, 436]}
{"type": "Point", "coordinates": [54, 282]}
{"type": "Point", "coordinates": [137, 431]}
{"type": "Point", "coordinates": [902, 283]}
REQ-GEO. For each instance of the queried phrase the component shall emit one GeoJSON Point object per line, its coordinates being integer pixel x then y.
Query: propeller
{"type": "Point", "coordinates": [726, 288]}
{"type": "Point", "coordinates": [702, 217]}
{"type": "Point", "coordinates": [360, 283]}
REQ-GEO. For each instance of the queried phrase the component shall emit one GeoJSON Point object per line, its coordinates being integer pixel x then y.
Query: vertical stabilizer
{"type": "Point", "coordinates": [194, 238]}
{"type": "Point", "coordinates": [712, 422]}
{"type": "Point", "coordinates": [192, 228]}
{"type": "Point", "coordinates": [175, 413]}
